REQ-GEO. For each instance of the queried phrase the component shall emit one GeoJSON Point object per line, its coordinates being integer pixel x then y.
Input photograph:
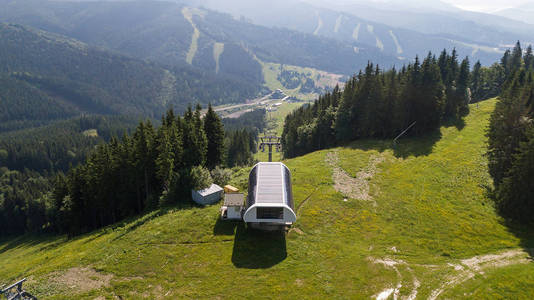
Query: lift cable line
{"type": "Point", "coordinates": [402, 133]}
{"type": "Point", "coordinates": [270, 141]}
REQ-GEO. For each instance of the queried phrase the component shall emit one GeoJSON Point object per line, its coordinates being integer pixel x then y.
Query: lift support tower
{"type": "Point", "coordinates": [270, 141]}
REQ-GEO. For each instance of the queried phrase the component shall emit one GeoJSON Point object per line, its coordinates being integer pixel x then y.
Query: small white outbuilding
{"type": "Point", "coordinates": [233, 206]}
{"type": "Point", "coordinates": [207, 196]}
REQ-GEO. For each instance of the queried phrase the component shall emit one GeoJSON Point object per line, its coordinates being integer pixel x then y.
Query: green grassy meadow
{"type": "Point", "coordinates": [272, 70]}
{"type": "Point", "coordinates": [429, 222]}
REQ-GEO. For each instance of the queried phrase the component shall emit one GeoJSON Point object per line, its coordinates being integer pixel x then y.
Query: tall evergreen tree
{"type": "Point", "coordinates": [515, 196]}
{"type": "Point", "coordinates": [215, 135]}
{"type": "Point", "coordinates": [165, 158]}
{"type": "Point", "coordinates": [516, 58]}
{"type": "Point", "coordinates": [462, 89]}
{"type": "Point", "coordinates": [477, 92]}
{"type": "Point", "coordinates": [506, 62]}
{"type": "Point", "coordinates": [528, 58]}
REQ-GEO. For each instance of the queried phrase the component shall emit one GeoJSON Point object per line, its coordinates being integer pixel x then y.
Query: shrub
{"type": "Point", "coordinates": [221, 176]}
{"type": "Point", "coordinates": [200, 178]}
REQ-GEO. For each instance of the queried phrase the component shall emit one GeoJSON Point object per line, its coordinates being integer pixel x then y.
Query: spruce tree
{"type": "Point", "coordinates": [476, 87]}
{"type": "Point", "coordinates": [516, 59]}
{"type": "Point", "coordinates": [201, 139]}
{"type": "Point", "coordinates": [515, 196]}
{"type": "Point", "coordinates": [193, 136]}
{"type": "Point", "coordinates": [165, 158]}
{"type": "Point", "coordinates": [506, 63]}
{"type": "Point", "coordinates": [215, 136]}
{"type": "Point", "coordinates": [462, 85]}
{"type": "Point", "coordinates": [528, 58]}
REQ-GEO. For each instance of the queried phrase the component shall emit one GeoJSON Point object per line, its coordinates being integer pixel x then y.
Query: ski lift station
{"type": "Point", "coordinates": [270, 198]}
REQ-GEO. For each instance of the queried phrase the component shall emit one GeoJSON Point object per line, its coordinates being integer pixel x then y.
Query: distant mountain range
{"type": "Point", "coordinates": [398, 29]}
{"type": "Point", "coordinates": [171, 33]}
{"type": "Point", "coordinates": [524, 13]}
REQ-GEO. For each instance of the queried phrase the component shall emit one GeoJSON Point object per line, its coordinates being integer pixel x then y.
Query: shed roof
{"type": "Point", "coordinates": [230, 189]}
{"type": "Point", "coordinates": [234, 199]}
{"type": "Point", "coordinates": [211, 190]}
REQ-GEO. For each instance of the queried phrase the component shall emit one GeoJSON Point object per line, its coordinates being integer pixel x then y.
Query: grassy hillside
{"type": "Point", "coordinates": [422, 227]}
{"type": "Point", "coordinates": [318, 80]}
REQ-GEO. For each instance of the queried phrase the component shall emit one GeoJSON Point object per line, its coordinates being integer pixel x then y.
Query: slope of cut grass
{"type": "Point", "coordinates": [188, 15]}
{"type": "Point", "coordinates": [428, 213]}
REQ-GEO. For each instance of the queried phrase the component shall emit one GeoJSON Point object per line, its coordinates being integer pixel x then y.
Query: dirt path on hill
{"type": "Point", "coordinates": [465, 270]}
{"type": "Point", "coordinates": [353, 187]}
{"type": "Point", "coordinates": [395, 290]}
{"type": "Point", "coordinates": [468, 268]}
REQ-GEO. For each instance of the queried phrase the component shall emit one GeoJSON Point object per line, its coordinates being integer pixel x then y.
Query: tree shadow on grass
{"type": "Point", "coordinates": [51, 240]}
{"type": "Point", "coordinates": [459, 123]}
{"type": "Point", "coordinates": [30, 240]}
{"type": "Point", "coordinates": [524, 232]}
{"type": "Point", "coordinates": [254, 249]}
{"type": "Point", "coordinates": [132, 223]}
{"type": "Point", "coordinates": [403, 147]}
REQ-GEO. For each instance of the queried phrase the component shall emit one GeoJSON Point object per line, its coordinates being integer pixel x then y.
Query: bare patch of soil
{"type": "Point", "coordinates": [297, 230]}
{"type": "Point", "coordinates": [471, 266]}
{"type": "Point", "coordinates": [395, 291]}
{"type": "Point", "coordinates": [81, 279]}
{"type": "Point", "coordinates": [355, 188]}
{"type": "Point", "coordinates": [465, 270]}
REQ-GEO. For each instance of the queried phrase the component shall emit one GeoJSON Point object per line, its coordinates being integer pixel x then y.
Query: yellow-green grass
{"type": "Point", "coordinates": [430, 208]}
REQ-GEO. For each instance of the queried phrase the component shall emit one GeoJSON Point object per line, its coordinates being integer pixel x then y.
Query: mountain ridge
{"type": "Point", "coordinates": [74, 78]}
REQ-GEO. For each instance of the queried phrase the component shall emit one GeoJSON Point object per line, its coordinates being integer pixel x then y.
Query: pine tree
{"type": "Point", "coordinates": [515, 196]}
{"type": "Point", "coordinates": [201, 139]}
{"type": "Point", "coordinates": [516, 60]}
{"type": "Point", "coordinates": [144, 161]}
{"type": "Point", "coordinates": [215, 135]}
{"type": "Point", "coordinates": [462, 86]}
{"type": "Point", "coordinates": [529, 58]}
{"type": "Point", "coordinates": [192, 155]}
{"type": "Point", "coordinates": [343, 129]}
{"type": "Point", "coordinates": [165, 158]}
{"type": "Point", "coordinates": [506, 63]}
{"type": "Point", "coordinates": [477, 91]}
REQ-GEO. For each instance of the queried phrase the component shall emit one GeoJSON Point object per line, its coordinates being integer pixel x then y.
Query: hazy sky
{"type": "Point", "coordinates": [485, 5]}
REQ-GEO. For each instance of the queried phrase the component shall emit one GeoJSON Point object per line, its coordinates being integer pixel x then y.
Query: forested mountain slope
{"type": "Point", "coordinates": [172, 33]}
{"type": "Point", "coordinates": [523, 12]}
{"type": "Point", "coordinates": [350, 25]}
{"type": "Point", "coordinates": [483, 28]}
{"type": "Point", "coordinates": [46, 76]}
